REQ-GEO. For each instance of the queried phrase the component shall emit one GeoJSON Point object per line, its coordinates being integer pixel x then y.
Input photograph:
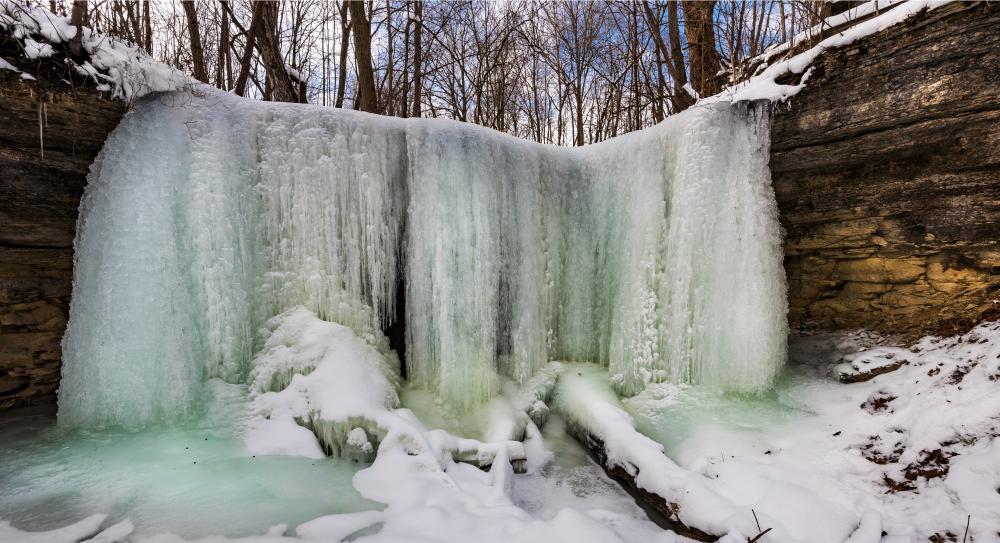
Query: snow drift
{"type": "Point", "coordinates": [656, 254]}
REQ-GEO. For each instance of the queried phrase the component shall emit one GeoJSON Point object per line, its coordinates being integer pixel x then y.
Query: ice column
{"type": "Point", "coordinates": [657, 253]}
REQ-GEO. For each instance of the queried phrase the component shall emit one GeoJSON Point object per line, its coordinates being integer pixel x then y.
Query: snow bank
{"type": "Point", "coordinates": [911, 452]}
{"type": "Point", "coordinates": [321, 376]}
{"type": "Point", "coordinates": [318, 375]}
{"type": "Point", "coordinates": [124, 69]}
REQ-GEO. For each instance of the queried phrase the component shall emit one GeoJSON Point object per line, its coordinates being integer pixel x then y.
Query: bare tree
{"type": "Point", "coordinates": [367, 99]}
{"type": "Point", "coordinates": [77, 19]}
{"type": "Point", "coordinates": [147, 40]}
{"type": "Point", "coordinates": [345, 42]}
{"type": "Point", "coordinates": [554, 71]}
{"type": "Point", "coordinates": [247, 58]}
{"type": "Point", "coordinates": [283, 89]}
{"type": "Point", "coordinates": [703, 58]}
{"type": "Point", "coordinates": [194, 35]}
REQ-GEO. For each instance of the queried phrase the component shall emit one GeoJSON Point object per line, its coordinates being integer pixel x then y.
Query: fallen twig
{"type": "Point", "coordinates": [762, 532]}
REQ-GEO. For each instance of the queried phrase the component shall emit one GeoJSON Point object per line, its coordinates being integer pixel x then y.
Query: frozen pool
{"type": "Point", "coordinates": [695, 422]}
{"type": "Point", "coordinates": [195, 480]}
{"type": "Point", "coordinates": [192, 480]}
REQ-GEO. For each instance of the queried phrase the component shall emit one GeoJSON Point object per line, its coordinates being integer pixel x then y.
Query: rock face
{"type": "Point", "coordinates": [38, 212]}
{"type": "Point", "coordinates": [887, 174]}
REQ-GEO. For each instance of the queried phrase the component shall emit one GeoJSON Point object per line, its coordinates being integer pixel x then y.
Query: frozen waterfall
{"type": "Point", "coordinates": [657, 254]}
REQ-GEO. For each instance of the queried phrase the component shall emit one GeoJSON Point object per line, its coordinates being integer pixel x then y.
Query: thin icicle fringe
{"type": "Point", "coordinates": [657, 254]}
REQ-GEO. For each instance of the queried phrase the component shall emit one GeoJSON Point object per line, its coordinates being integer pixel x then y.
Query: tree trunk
{"type": "Point", "coordinates": [781, 17]}
{"type": "Point", "coordinates": [367, 100]}
{"type": "Point", "coordinates": [417, 59]}
{"type": "Point", "coordinates": [283, 89]}
{"type": "Point", "coordinates": [133, 19]}
{"type": "Point", "coordinates": [578, 95]}
{"type": "Point", "coordinates": [224, 67]}
{"type": "Point", "coordinates": [702, 56]}
{"type": "Point", "coordinates": [388, 89]}
{"type": "Point", "coordinates": [673, 57]}
{"type": "Point", "coordinates": [147, 41]}
{"type": "Point", "coordinates": [404, 104]}
{"type": "Point", "coordinates": [251, 37]}
{"type": "Point", "coordinates": [194, 34]}
{"type": "Point", "coordinates": [345, 32]}
{"type": "Point", "coordinates": [77, 19]}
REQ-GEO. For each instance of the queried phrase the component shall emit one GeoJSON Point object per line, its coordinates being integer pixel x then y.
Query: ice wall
{"type": "Point", "coordinates": [657, 254]}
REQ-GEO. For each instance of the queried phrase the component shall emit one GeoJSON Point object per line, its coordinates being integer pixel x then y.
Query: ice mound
{"type": "Point", "coordinates": [318, 375]}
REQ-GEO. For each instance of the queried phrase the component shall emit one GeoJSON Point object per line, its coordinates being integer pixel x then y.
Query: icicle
{"type": "Point", "coordinates": [41, 128]}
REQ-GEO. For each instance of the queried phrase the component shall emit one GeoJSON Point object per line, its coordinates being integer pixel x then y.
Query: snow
{"type": "Point", "coordinates": [764, 86]}
{"type": "Point", "coordinates": [586, 401]}
{"type": "Point", "coordinates": [851, 460]}
{"type": "Point", "coordinates": [126, 68]}
{"type": "Point", "coordinates": [35, 50]}
{"type": "Point", "coordinates": [4, 65]}
{"type": "Point", "coordinates": [295, 74]}
{"type": "Point", "coordinates": [117, 533]}
{"type": "Point", "coordinates": [85, 531]}
{"type": "Point", "coordinates": [320, 375]}
{"type": "Point", "coordinates": [418, 473]}
{"type": "Point", "coordinates": [862, 10]}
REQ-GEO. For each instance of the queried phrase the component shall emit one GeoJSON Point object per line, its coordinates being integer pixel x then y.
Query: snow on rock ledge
{"type": "Point", "coordinates": [122, 68]}
{"type": "Point", "coordinates": [766, 86]}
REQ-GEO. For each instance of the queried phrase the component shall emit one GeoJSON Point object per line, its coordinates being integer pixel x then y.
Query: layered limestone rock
{"type": "Point", "coordinates": [887, 173]}
{"type": "Point", "coordinates": [52, 128]}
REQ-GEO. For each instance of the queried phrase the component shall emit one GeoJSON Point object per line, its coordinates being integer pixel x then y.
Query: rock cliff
{"type": "Point", "coordinates": [886, 169]}
{"type": "Point", "coordinates": [53, 127]}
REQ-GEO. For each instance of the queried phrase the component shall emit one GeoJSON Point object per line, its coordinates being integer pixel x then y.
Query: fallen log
{"type": "Point", "coordinates": [666, 512]}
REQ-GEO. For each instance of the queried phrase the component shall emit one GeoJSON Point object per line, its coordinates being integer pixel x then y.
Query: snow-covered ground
{"type": "Point", "coordinates": [913, 451]}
